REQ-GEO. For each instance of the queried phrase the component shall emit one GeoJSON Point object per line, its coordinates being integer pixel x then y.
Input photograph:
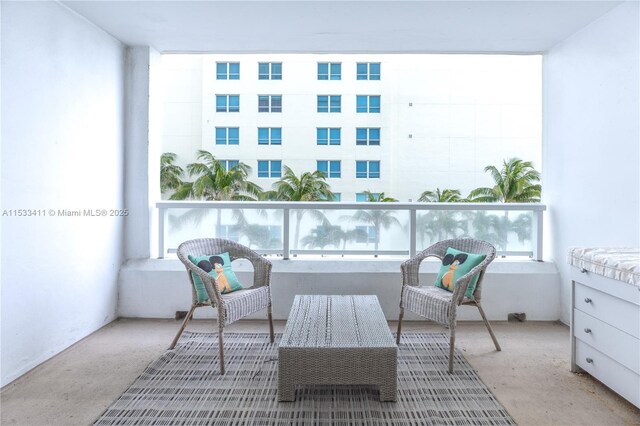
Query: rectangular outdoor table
{"type": "Point", "coordinates": [337, 340]}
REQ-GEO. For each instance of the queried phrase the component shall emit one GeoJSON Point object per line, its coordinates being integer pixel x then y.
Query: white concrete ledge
{"type": "Point", "coordinates": [157, 288]}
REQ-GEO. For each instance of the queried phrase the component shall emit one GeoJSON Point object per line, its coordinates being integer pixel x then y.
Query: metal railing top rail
{"type": "Point", "coordinates": [412, 208]}
{"type": "Point", "coordinates": [344, 205]}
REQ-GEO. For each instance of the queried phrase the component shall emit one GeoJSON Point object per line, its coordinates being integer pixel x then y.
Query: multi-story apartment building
{"type": "Point", "coordinates": [399, 124]}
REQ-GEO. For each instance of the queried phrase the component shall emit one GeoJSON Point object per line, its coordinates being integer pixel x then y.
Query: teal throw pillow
{"type": "Point", "coordinates": [219, 267]}
{"type": "Point", "coordinates": [455, 264]}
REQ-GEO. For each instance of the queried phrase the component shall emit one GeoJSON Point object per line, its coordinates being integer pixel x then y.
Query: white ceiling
{"type": "Point", "coordinates": [342, 26]}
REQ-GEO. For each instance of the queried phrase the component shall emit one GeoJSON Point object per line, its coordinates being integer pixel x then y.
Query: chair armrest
{"type": "Point", "coordinates": [261, 271]}
{"type": "Point", "coordinates": [463, 282]}
{"type": "Point", "coordinates": [410, 268]}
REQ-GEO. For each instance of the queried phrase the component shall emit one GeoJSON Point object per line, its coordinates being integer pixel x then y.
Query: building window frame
{"type": "Point", "coordinates": [328, 135]}
{"type": "Point", "coordinates": [329, 71]}
{"type": "Point", "coordinates": [332, 169]}
{"type": "Point", "coordinates": [269, 135]}
{"type": "Point", "coordinates": [368, 169]}
{"type": "Point", "coordinates": [368, 71]}
{"type": "Point", "coordinates": [269, 103]}
{"type": "Point", "coordinates": [227, 103]}
{"type": "Point", "coordinates": [229, 164]}
{"type": "Point", "coordinates": [368, 104]}
{"type": "Point", "coordinates": [361, 197]}
{"type": "Point", "coordinates": [227, 135]}
{"type": "Point", "coordinates": [370, 231]}
{"type": "Point", "coordinates": [269, 168]}
{"type": "Point", "coordinates": [368, 136]}
{"type": "Point", "coordinates": [329, 103]}
{"type": "Point", "coordinates": [269, 70]}
{"type": "Point", "coordinates": [227, 70]}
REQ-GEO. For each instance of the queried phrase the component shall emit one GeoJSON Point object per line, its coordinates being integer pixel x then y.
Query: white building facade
{"type": "Point", "coordinates": [394, 123]}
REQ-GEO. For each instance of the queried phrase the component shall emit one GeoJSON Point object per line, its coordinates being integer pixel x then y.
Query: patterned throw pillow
{"type": "Point", "coordinates": [219, 267]}
{"type": "Point", "coordinates": [456, 264]}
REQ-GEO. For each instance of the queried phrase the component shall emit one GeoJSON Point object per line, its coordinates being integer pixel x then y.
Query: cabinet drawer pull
{"type": "Point", "coordinates": [590, 360]}
{"type": "Point", "coordinates": [587, 330]}
{"type": "Point", "coordinates": [587, 300]}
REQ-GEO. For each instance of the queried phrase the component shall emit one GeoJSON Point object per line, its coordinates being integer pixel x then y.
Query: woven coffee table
{"type": "Point", "coordinates": [337, 340]}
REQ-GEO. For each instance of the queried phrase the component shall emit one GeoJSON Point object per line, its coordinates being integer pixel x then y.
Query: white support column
{"type": "Point", "coordinates": [141, 151]}
{"type": "Point", "coordinates": [285, 234]}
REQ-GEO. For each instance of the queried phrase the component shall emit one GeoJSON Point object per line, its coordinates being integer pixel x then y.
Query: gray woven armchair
{"type": "Point", "coordinates": [231, 306]}
{"type": "Point", "coordinates": [437, 304]}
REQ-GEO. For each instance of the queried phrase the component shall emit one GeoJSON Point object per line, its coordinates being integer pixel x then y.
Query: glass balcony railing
{"type": "Point", "coordinates": [345, 229]}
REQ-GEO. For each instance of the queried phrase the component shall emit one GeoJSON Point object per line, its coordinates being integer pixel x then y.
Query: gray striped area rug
{"type": "Point", "coordinates": [184, 387]}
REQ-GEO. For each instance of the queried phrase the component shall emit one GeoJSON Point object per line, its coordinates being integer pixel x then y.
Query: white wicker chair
{"type": "Point", "coordinates": [437, 304]}
{"type": "Point", "coordinates": [231, 306]}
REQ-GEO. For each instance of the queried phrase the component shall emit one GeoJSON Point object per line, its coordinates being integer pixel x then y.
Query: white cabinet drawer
{"type": "Point", "coordinates": [610, 309]}
{"type": "Point", "coordinates": [614, 375]}
{"type": "Point", "coordinates": [612, 342]}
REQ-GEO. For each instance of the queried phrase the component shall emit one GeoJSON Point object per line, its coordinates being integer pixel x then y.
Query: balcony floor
{"type": "Point", "coordinates": [530, 377]}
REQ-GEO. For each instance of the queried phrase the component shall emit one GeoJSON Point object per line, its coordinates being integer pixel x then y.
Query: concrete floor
{"type": "Point", "coordinates": [530, 377]}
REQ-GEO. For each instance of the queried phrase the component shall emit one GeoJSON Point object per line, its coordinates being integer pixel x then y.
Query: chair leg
{"type": "Point", "coordinates": [452, 347]}
{"type": "Point", "coordinates": [221, 348]}
{"type": "Point", "coordinates": [399, 326]}
{"type": "Point", "coordinates": [493, 336]}
{"type": "Point", "coordinates": [183, 326]}
{"type": "Point", "coordinates": [270, 316]}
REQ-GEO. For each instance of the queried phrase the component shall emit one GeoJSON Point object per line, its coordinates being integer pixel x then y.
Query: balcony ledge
{"type": "Point", "coordinates": [157, 288]}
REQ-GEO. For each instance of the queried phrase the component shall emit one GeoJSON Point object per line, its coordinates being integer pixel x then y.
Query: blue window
{"type": "Point", "coordinates": [269, 168]}
{"type": "Point", "coordinates": [269, 136]}
{"type": "Point", "coordinates": [269, 70]}
{"type": "Point", "coordinates": [367, 169]}
{"type": "Point", "coordinates": [366, 234]}
{"type": "Point", "coordinates": [275, 231]}
{"type": "Point", "coordinates": [362, 197]}
{"type": "Point", "coordinates": [329, 103]}
{"type": "Point", "coordinates": [227, 135]}
{"type": "Point", "coordinates": [329, 70]}
{"type": "Point", "coordinates": [330, 168]}
{"type": "Point", "coordinates": [368, 103]}
{"type": "Point", "coordinates": [227, 103]}
{"type": "Point", "coordinates": [337, 196]}
{"type": "Point", "coordinates": [229, 232]}
{"type": "Point", "coordinates": [368, 71]}
{"type": "Point", "coordinates": [227, 70]}
{"type": "Point", "coordinates": [368, 136]}
{"type": "Point", "coordinates": [229, 164]}
{"type": "Point", "coordinates": [269, 103]}
{"type": "Point", "coordinates": [328, 136]}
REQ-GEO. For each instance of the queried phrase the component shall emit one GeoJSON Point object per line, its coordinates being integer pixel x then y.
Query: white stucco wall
{"type": "Point", "coordinates": [62, 148]}
{"type": "Point", "coordinates": [591, 139]}
{"type": "Point", "coordinates": [157, 288]}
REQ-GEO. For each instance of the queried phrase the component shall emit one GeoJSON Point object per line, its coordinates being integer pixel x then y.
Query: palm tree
{"type": "Point", "coordinates": [492, 228]}
{"type": "Point", "coordinates": [522, 227]}
{"type": "Point", "coordinates": [378, 198]}
{"type": "Point", "coordinates": [170, 173]}
{"type": "Point", "coordinates": [516, 182]}
{"type": "Point", "coordinates": [214, 183]}
{"type": "Point", "coordinates": [323, 235]}
{"type": "Point", "coordinates": [309, 186]}
{"type": "Point", "coordinates": [259, 236]}
{"type": "Point", "coordinates": [351, 235]}
{"type": "Point", "coordinates": [440, 224]}
{"type": "Point", "coordinates": [444, 196]}
{"type": "Point", "coordinates": [377, 218]}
